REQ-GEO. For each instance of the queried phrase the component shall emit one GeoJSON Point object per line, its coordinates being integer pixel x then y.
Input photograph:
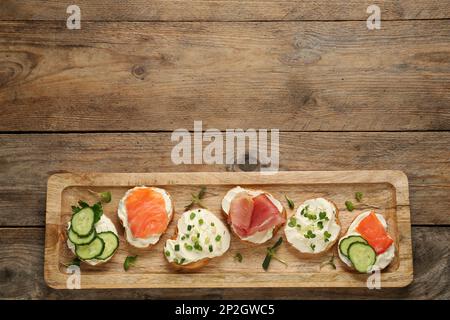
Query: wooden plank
{"type": "Point", "coordinates": [27, 160]}
{"type": "Point", "coordinates": [22, 275]}
{"type": "Point", "coordinates": [223, 10]}
{"type": "Point", "coordinates": [296, 76]}
{"type": "Point", "coordinates": [386, 189]}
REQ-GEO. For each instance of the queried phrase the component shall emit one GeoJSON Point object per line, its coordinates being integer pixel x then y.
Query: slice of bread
{"type": "Point", "coordinates": [141, 243]}
{"type": "Point", "coordinates": [190, 266]}
{"type": "Point", "coordinates": [199, 237]}
{"type": "Point", "coordinates": [329, 245]}
{"type": "Point", "coordinates": [383, 260]}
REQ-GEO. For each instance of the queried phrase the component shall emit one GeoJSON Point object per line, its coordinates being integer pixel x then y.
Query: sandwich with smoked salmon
{"type": "Point", "coordinates": [199, 237]}
{"type": "Point", "coordinates": [314, 228]}
{"type": "Point", "coordinates": [254, 215]}
{"type": "Point", "coordinates": [367, 246]}
{"type": "Point", "coordinates": [145, 213]}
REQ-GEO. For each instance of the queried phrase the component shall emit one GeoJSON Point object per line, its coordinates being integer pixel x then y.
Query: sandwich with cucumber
{"type": "Point", "coordinates": [91, 236]}
{"type": "Point", "coordinates": [367, 246]}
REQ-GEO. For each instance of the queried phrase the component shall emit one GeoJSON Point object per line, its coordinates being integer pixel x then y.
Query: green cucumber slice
{"type": "Point", "coordinates": [111, 244]}
{"type": "Point", "coordinates": [345, 244]}
{"type": "Point", "coordinates": [91, 250]}
{"type": "Point", "coordinates": [362, 256]}
{"type": "Point", "coordinates": [75, 239]}
{"type": "Point", "coordinates": [82, 222]}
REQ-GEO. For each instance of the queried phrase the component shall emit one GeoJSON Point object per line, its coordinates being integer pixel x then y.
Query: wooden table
{"type": "Point", "coordinates": [107, 97]}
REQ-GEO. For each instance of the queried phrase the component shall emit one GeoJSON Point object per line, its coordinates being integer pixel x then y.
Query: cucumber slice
{"type": "Point", "coordinates": [75, 239]}
{"type": "Point", "coordinates": [111, 244]}
{"type": "Point", "coordinates": [91, 250]}
{"type": "Point", "coordinates": [362, 256]}
{"type": "Point", "coordinates": [82, 222]}
{"type": "Point", "coordinates": [343, 246]}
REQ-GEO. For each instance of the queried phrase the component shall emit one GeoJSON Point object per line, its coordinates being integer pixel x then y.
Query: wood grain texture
{"type": "Point", "coordinates": [27, 160]}
{"type": "Point", "coordinates": [386, 189]}
{"type": "Point", "coordinates": [22, 275]}
{"type": "Point", "coordinates": [223, 10]}
{"type": "Point", "coordinates": [296, 76]}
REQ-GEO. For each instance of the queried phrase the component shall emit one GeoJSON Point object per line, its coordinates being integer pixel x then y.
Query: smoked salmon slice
{"type": "Point", "coordinates": [374, 233]}
{"type": "Point", "coordinates": [147, 215]}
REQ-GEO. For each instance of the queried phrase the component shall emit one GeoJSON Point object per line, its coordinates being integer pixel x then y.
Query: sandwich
{"type": "Point", "coordinates": [92, 236]}
{"type": "Point", "coordinates": [254, 215]}
{"type": "Point", "coordinates": [314, 228]}
{"type": "Point", "coordinates": [199, 237]}
{"type": "Point", "coordinates": [145, 213]}
{"type": "Point", "coordinates": [367, 246]}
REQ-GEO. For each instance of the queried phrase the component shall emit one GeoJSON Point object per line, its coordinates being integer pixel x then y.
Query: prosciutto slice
{"type": "Point", "coordinates": [241, 209]}
{"type": "Point", "coordinates": [250, 215]}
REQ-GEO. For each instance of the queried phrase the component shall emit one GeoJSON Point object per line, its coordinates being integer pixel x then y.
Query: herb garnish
{"type": "Point", "coordinates": [97, 208]}
{"type": "Point", "coordinates": [271, 254]}
{"type": "Point", "coordinates": [129, 261]}
{"type": "Point", "coordinates": [74, 262]}
{"type": "Point", "coordinates": [323, 216]}
{"type": "Point", "coordinates": [196, 199]}
{"type": "Point", "coordinates": [313, 246]}
{"type": "Point", "coordinates": [218, 237]}
{"type": "Point", "coordinates": [309, 235]}
{"type": "Point", "coordinates": [327, 236]}
{"type": "Point", "coordinates": [349, 205]}
{"type": "Point", "coordinates": [329, 262]}
{"type": "Point", "coordinates": [238, 257]}
{"type": "Point", "coordinates": [358, 196]}
{"type": "Point", "coordinates": [290, 203]}
{"type": "Point", "coordinates": [210, 248]}
{"type": "Point", "coordinates": [104, 197]}
{"type": "Point", "coordinates": [292, 222]}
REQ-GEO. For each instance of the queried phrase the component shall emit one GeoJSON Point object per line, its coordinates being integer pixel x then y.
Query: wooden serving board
{"type": "Point", "coordinates": [386, 189]}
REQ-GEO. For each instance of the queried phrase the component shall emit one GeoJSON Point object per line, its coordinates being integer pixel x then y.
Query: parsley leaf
{"type": "Point", "coordinates": [291, 203]}
{"type": "Point", "coordinates": [238, 257]}
{"type": "Point", "coordinates": [129, 261]}
{"type": "Point", "coordinates": [271, 254]}
{"type": "Point", "coordinates": [104, 197]}
{"type": "Point", "coordinates": [350, 206]}
{"type": "Point", "coordinates": [196, 199]}
{"type": "Point", "coordinates": [358, 196]}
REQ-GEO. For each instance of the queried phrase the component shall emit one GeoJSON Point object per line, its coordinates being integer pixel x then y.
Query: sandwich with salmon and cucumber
{"type": "Point", "coordinates": [145, 213]}
{"type": "Point", "coordinates": [314, 228]}
{"type": "Point", "coordinates": [199, 237]}
{"type": "Point", "coordinates": [367, 246]}
{"type": "Point", "coordinates": [254, 215]}
{"type": "Point", "coordinates": [92, 236]}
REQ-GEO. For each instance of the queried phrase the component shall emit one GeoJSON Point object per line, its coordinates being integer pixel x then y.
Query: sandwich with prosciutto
{"type": "Point", "coordinates": [254, 215]}
{"type": "Point", "coordinates": [367, 246]}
